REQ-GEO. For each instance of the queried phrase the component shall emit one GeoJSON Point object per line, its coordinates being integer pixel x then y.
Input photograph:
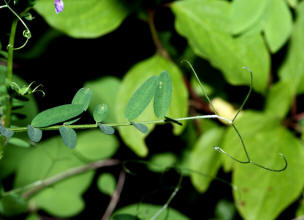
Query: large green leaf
{"type": "Point", "coordinates": [135, 77]}
{"type": "Point", "coordinates": [84, 19]}
{"type": "Point", "coordinates": [95, 145]}
{"type": "Point", "coordinates": [271, 16]}
{"type": "Point", "coordinates": [249, 124]}
{"type": "Point", "coordinates": [147, 211]}
{"type": "Point", "coordinates": [263, 194]}
{"type": "Point", "coordinates": [245, 14]}
{"type": "Point", "coordinates": [12, 157]}
{"type": "Point", "coordinates": [278, 24]}
{"type": "Point", "coordinates": [279, 99]}
{"type": "Point", "coordinates": [293, 67]}
{"type": "Point", "coordinates": [47, 159]}
{"type": "Point", "coordinates": [205, 159]}
{"type": "Point", "coordinates": [104, 91]}
{"type": "Point", "coordinates": [205, 25]}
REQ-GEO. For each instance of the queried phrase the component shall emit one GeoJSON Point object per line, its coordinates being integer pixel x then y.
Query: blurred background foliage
{"type": "Point", "coordinates": [112, 46]}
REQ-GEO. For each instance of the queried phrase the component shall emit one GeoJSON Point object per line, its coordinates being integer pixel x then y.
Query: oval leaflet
{"type": "Point", "coordinates": [56, 115]}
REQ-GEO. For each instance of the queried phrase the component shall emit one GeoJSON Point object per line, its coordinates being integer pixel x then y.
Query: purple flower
{"type": "Point", "coordinates": [59, 6]}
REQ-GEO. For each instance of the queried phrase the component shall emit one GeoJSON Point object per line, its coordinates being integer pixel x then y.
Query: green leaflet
{"type": "Point", "coordinates": [141, 98]}
{"type": "Point", "coordinates": [135, 77]}
{"type": "Point", "coordinates": [163, 94]}
{"type": "Point", "coordinates": [84, 19]}
{"type": "Point", "coordinates": [69, 136]}
{"type": "Point", "coordinates": [106, 129]}
{"type": "Point", "coordinates": [141, 127]}
{"type": "Point", "coordinates": [205, 25]}
{"type": "Point", "coordinates": [100, 113]}
{"type": "Point", "coordinates": [104, 91]}
{"type": "Point", "coordinates": [83, 97]}
{"type": "Point", "coordinates": [6, 132]}
{"type": "Point", "coordinates": [56, 115]}
{"type": "Point", "coordinates": [262, 194]}
{"type": "Point", "coordinates": [35, 134]}
{"type": "Point", "coordinates": [293, 68]}
{"type": "Point", "coordinates": [205, 159]}
{"type": "Point", "coordinates": [106, 183]}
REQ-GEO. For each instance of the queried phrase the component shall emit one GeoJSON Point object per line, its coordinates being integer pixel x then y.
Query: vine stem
{"type": "Point", "coordinates": [9, 75]}
{"type": "Point", "coordinates": [118, 124]}
{"type": "Point", "coordinates": [116, 196]}
{"type": "Point", "coordinates": [41, 184]}
{"type": "Point", "coordinates": [156, 40]}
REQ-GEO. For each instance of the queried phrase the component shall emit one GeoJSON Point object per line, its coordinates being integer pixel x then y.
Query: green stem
{"type": "Point", "coordinates": [118, 124]}
{"type": "Point", "coordinates": [9, 75]}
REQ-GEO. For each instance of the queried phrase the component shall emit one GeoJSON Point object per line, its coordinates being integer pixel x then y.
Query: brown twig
{"type": "Point", "coordinates": [156, 40]}
{"type": "Point", "coordinates": [115, 197]}
{"type": "Point", "coordinates": [41, 184]}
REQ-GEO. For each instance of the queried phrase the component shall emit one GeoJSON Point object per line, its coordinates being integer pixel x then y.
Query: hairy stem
{"type": "Point", "coordinates": [32, 188]}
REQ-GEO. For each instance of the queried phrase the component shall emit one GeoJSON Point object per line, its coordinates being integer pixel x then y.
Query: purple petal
{"type": "Point", "coordinates": [59, 6]}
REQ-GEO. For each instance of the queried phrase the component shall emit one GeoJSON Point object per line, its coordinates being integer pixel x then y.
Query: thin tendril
{"type": "Point", "coordinates": [248, 94]}
{"type": "Point", "coordinates": [165, 206]}
{"type": "Point", "coordinates": [26, 32]}
{"type": "Point", "coordinates": [182, 171]}
{"type": "Point", "coordinates": [200, 84]}
{"type": "Point", "coordinates": [234, 127]}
